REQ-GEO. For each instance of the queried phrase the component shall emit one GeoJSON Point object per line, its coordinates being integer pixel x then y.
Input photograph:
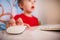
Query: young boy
{"type": "Point", "coordinates": [26, 17]}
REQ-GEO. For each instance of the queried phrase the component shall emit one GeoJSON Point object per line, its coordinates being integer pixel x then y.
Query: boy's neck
{"type": "Point", "coordinates": [28, 14]}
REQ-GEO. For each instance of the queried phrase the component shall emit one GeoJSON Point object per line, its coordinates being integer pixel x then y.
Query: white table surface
{"type": "Point", "coordinates": [32, 34]}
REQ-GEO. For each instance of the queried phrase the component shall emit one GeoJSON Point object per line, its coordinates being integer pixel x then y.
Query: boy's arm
{"type": "Point", "coordinates": [39, 23]}
{"type": "Point", "coordinates": [11, 23]}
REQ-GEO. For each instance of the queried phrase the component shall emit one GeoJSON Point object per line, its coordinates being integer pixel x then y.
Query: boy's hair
{"type": "Point", "coordinates": [20, 2]}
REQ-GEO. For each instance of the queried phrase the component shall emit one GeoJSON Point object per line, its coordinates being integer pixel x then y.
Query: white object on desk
{"type": "Point", "coordinates": [15, 29]}
{"type": "Point", "coordinates": [50, 27]}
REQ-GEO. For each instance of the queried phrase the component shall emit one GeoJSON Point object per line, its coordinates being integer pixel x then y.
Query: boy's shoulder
{"type": "Point", "coordinates": [18, 15]}
{"type": "Point", "coordinates": [34, 17]}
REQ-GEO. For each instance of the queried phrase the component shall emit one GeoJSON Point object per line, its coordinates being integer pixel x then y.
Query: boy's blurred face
{"type": "Point", "coordinates": [28, 5]}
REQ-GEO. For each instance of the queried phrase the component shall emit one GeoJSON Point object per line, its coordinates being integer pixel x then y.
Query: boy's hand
{"type": "Point", "coordinates": [12, 22]}
{"type": "Point", "coordinates": [20, 21]}
{"type": "Point", "coordinates": [28, 26]}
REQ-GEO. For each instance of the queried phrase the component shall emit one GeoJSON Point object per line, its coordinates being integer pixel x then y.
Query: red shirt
{"type": "Point", "coordinates": [32, 21]}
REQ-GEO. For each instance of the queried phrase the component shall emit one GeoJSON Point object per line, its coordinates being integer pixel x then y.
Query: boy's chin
{"type": "Point", "coordinates": [30, 11]}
